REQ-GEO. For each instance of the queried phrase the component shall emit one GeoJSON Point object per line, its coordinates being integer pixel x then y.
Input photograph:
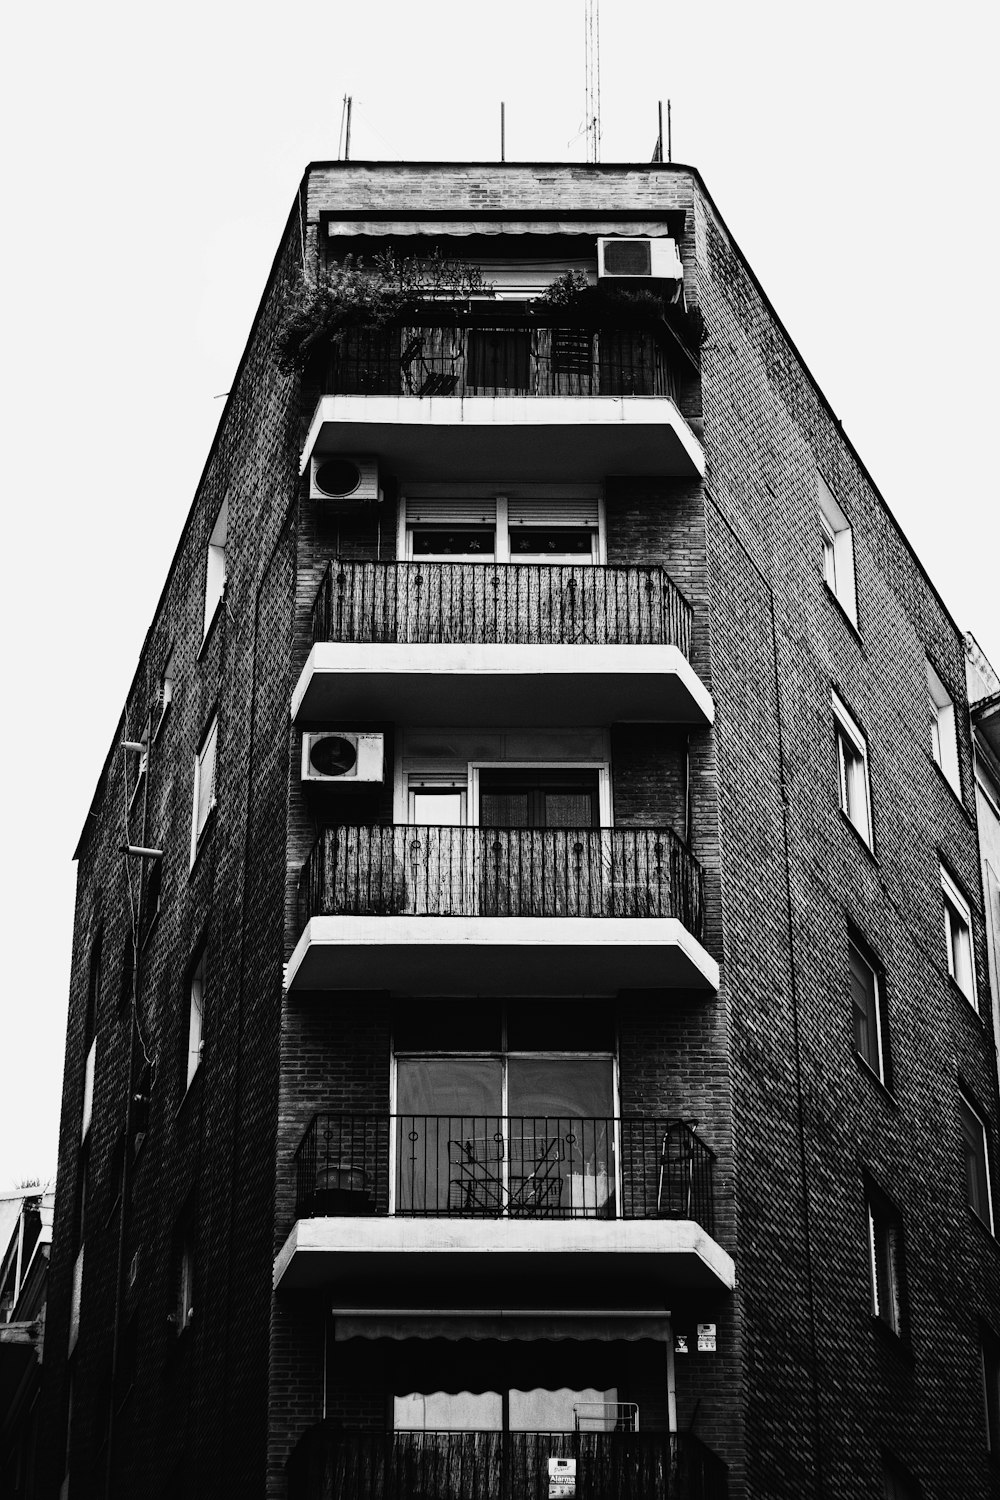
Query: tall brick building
{"type": "Point", "coordinates": [529, 1006]}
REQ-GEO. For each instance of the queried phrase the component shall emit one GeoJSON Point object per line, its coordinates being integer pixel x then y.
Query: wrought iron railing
{"type": "Point", "coordinates": [419, 870]}
{"type": "Point", "coordinates": [331, 1464]}
{"type": "Point", "coordinates": [500, 357]}
{"type": "Point", "coordinates": [512, 604]}
{"type": "Point", "coordinates": [465, 1166]}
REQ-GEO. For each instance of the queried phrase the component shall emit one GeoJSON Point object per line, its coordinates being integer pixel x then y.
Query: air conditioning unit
{"type": "Point", "coordinates": [344, 479]}
{"type": "Point", "coordinates": [338, 756]}
{"type": "Point", "coordinates": [624, 259]}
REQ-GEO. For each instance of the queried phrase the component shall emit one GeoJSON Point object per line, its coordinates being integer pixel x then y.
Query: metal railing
{"type": "Point", "coordinates": [511, 604]}
{"type": "Point", "coordinates": [331, 1464]}
{"type": "Point", "coordinates": [504, 1166]}
{"type": "Point", "coordinates": [419, 870]}
{"type": "Point", "coordinates": [500, 357]}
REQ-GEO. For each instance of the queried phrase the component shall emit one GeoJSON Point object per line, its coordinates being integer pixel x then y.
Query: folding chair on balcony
{"type": "Point", "coordinates": [675, 1187]}
{"type": "Point", "coordinates": [475, 1178]}
{"type": "Point", "coordinates": [537, 1191]}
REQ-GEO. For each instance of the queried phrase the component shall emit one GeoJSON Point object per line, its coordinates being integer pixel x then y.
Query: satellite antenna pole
{"type": "Point", "coordinates": [670, 144]}
{"type": "Point", "coordinates": [659, 137]}
{"type": "Point", "coordinates": [592, 116]}
{"type": "Point", "coordinates": [347, 137]}
{"type": "Point", "coordinates": [503, 133]}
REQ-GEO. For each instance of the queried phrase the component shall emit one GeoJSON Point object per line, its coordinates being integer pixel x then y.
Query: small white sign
{"type": "Point", "coordinates": [706, 1338]}
{"type": "Point", "coordinates": [562, 1479]}
{"type": "Point", "coordinates": [682, 1344]}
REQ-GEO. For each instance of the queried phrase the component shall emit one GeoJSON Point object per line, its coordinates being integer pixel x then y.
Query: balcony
{"type": "Point", "coordinates": [616, 1208]}
{"type": "Point", "coordinates": [330, 1464]}
{"type": "Point", "coordinates": [498, 911]}
{"type": "Point", "coordinates": [586, 401]}
{"type": "Point", "coordinates": [499, 643]}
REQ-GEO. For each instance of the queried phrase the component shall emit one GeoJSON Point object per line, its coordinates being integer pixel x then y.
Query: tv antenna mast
{"type": "Point", "coordinates": [592, 114]}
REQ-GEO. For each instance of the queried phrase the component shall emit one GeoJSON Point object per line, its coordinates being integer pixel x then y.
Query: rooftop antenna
{"type": "Point", "coordinates": [592, 113]}
{"type": "Point", "coordinates": [503, 132]}
{"type": "Point", "coordinates": [344, 139]}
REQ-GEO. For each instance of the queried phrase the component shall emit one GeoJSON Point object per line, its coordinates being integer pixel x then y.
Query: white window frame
{"type": "Point", "coordinates": [852, 752]}
{"type": "Point", "coordinates": [500, 526]}
{"type": "Point", "coordinates": [837, 543]}
{"type": "Point", "coordinates": [960, 949]}
{"type": "Point", "coordinates": [878, 1067]}
{"type": "Point", "coordinates": [215, 565]}
{"type": "Point", "coordinates": [167, 679]}
{"type": "Point", "coordinates": [196, 1018]}
{"type": "Point", "coordinates": [967, 1108]}
{"type": "Point", "coordinates": [943, 730]}
{"type": "Point", "coordinates": [602, 767]}
{"type": "Point", "coordinates": [202, 759]}
{"type": "Point", "coordinates": [885, 1230]}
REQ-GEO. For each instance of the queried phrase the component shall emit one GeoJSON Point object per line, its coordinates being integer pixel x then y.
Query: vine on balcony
{"type": "Point", "coordinates": [357, 294]}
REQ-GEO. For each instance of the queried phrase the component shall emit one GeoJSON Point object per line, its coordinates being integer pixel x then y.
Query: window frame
{"type": "Point", "coordinates": [215, 566]}
{"type": "Point", "coordinates": [943, 730]}
{"type": "Point", "coordinates": [837, 550]}
{"type": "Point", "coordinates": [886, 1262]}
{"type": "Point", "coordinates": [989, 1352]}
{"type": "Point", "coordinates": [976, 1160]}
{"type": "Point", "coordinates": [958, 921]}
{"type": "Point", "coordinates": [880, 1067]}
{"type": "Point", "coordinates": [196, 983]}
{"type": "Point", "coordinates": [488, 511]}
{"type": "Point", "coordinates": [210, 737]}
{"type": "Point", "coordinates": [851, 749]}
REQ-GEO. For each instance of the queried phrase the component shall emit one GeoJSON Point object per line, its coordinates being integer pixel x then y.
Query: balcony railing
{"type": "Point", "coordinates": [500, 357]}
{"type": "Point", "coordinates": [503, 1166]}
{"type": "Point", "coordinates": [335, 1465]}
{"type": "Point", "coordinates": [510, 604]}
{"type": "Point", "coordinates": [416, 870]}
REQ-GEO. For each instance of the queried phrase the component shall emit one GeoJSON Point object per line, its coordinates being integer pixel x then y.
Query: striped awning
{"type": "Point", "coordinates": [348, 228]}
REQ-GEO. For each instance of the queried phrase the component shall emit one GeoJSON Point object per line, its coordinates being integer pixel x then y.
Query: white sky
{"type": "Point", "coordinates": [156, 152]}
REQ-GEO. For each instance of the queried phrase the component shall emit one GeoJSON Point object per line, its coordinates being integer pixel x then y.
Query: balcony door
{"type": "Point", "coordinates": [500, 1127]}
{"type": "Point", "coordinates": [557, 867]}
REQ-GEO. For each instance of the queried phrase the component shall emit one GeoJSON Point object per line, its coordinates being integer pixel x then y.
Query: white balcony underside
{"type": "Point", "coordinates": [618, 1256]}
{"type": "Point", "coordinates": [554, 956]}
{"type": "Point", "coordinates": [499, 684]}
{"type": "Point", "coordinates": [509, 437]}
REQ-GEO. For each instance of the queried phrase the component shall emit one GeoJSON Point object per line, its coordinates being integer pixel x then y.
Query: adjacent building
{"type": "Point", "coordinates": [26, 1232]}
{"type": "Point", "coordinates": [531, 1030]}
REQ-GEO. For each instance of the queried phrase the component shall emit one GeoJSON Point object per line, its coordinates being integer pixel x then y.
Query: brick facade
{"type": "Point", "coordinates": [806, 1388]}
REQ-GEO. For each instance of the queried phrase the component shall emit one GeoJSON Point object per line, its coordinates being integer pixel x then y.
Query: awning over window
{"type": "Point", "coordinates": [349, 228]}
{"type": "Point", "coordinates": [501, 1325]}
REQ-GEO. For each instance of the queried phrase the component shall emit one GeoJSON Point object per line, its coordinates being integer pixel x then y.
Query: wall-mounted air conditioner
{"type": "Point", "coordinates": [639, 259]}
{"type": "Point", "coordinates": [341, 757]}
{"type": "Point", "coordinates": [344, 479]}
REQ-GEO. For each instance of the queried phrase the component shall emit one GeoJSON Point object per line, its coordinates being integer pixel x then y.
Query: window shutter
{"type": "Point", "coordinates": [479, 512]}
{"type": "Point", "coordinates": [552, 513]}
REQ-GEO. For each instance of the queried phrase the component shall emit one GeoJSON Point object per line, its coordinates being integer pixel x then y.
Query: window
{"type": "Point", "coordinates": [869, 1019]}
{"type": "Point", "coordinates": [944, 740]}
{"type": "Point", "coordinates": [166, 694]}
{"type": "Point", "coordinates": [505, 1109]}
{"type": "Point", "coordinates": [204, 784]}
{"type": "Point", "coordinates": [215, 568]}
{"type": "Point", "coordinates": [852, 771]}
{"type": "Point", "coordinates": [975, 1157]}
{"type": "Point", "coordinates": [837, 543]}
{"type": "Point", "coordinates": [196, 1018]}
{"type": "Point", "coordinates": [958, 937]}
{"type": "Point", "coordinates": [899, 1484]}
{"type": "Point", "coordinates": [990, 1350]}
{"type": "Point", "coordinates": [553, 528]}
{"type": "Point", "coordinates": [183, 1311]}
{"type": "Point", "coordinates": [885, 1244]}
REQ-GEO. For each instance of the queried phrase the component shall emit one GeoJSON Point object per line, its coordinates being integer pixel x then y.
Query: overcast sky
{"type": "Point", "coordinates": [153, 155]}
